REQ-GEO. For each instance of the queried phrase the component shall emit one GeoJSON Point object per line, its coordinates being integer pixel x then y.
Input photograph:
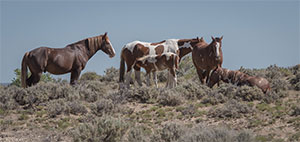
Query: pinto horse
{"type": "Point", "coordinates": [71, 58]}
{"type": "Point", "coordinates": [238, 78]}
{"type": "Point", "coordinates": [153, 63]}
{"type": "Point", "coordinates": [137, 49]}
{"type": "Point", "coordinates": [207, 57]}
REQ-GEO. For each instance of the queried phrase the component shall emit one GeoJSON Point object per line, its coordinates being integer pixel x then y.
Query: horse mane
{"type": "Point", "coordinates": [94, 43]}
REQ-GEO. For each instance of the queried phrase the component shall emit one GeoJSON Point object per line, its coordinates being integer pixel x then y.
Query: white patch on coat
{"type": "Point", "coordinates": [217, 49]}
{"type": "Point", "coordinates": [168, 55]}
{"type": "Point", "coordinates": [186, 45]}
{"type": "Point", "coordinates": [170, 45]}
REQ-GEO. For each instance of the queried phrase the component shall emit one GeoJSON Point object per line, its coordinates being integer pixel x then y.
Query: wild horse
{"type": "Point", "coordinates": [207, 57]}
{"type": "Point", "coordinates": [238, 78]}
{"type": "Point", "coordinates": [71, 58]}
{"type": "Point", "coordinates": [137, 49]}
{"type": "Point", "coordinates": [153, 63]}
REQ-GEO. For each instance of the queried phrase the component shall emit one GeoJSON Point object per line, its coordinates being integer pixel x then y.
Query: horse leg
{"type": "Point", "coordinates": [168, 81]}
{"type": "Point", "coordinates": [36, 78]}
{"type": "Point", "coordinates": [128, 77]}
{"type": "Point", "coordinates": [74, 76]}
{"type": "Point", "coordinates": [207, 74]}
{"type": "Point", "coordinates": [137, 75]}
{"type": "Point", "coordinates": [29, 80]}
{"type": "Point", "coordinates": [200, 75]}
{"type": "Point", "coordinates": [155, 79]}
{"type": "Point", "coordinates": [173, 77]}
{"type": "Point", "coordinates": [148, 78]}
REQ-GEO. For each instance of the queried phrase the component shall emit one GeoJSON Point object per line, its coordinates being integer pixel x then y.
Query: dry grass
{"type": "Point", "coordinates": [95, 110]}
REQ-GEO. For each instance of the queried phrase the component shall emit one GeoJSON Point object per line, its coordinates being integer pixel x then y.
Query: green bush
{"type": "Point", "coordinates": [17, 79]}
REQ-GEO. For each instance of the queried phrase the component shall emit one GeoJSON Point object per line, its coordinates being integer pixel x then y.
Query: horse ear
{"type": "Point", "coordinates": [201, 39]}
{"type": "Point", "coordinates": [104, 35]}
{"type": "Point", "coordinates": [213, 38]}
{"type": "Point", "coordinates": [198, 39]}
{"type": "Point", "coordinates": [221, 37]}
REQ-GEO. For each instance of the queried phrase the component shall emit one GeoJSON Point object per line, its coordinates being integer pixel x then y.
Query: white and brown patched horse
{"type": "Point", "coordinates": [207, 57]}
{"type": "Point", "coordinates": [153, 63]}
{"type": "Point", "coordinates": [71, 58]}
{"type": "Point", "coordinates": [238, 78]}
{"type": "Point", "coordinates": [137, 49]}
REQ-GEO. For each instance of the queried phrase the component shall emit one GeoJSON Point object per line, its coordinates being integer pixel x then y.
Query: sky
{"type": "Point", "coordinates": [257, 34]}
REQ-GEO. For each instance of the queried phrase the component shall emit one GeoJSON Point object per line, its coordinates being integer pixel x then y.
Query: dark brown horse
{"type": "Point", "coordinates": [137, 49]}
{"type": "Point", "coordinates": [153, 63]}
{"type": "Point", "coordinates": [71, 58]}
{"type": "Point", "coordinates": [207, 57]}
{"type": "Point", "coordinates": [238, 78]}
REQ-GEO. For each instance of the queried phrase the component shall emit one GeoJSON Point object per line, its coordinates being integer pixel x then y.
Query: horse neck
{"type": "Point", "coordinates": [184, 51]}
{"type": "Point", "coordinates": [92, 47]}
{"type": "Point", "coordinates": [185, 46]}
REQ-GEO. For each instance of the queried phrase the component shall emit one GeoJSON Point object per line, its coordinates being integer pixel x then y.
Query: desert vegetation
{"type": "Point", "coordinates": [96, 110]}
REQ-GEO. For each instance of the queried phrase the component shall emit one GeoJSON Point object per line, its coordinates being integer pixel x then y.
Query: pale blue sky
{"type": "Point", "coordinates": [256, 34]}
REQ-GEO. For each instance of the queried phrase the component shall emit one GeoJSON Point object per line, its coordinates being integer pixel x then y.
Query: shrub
{"type": "Point", "coordinates": [142, 94]}
{"type": "Point", "coordinates": [248, 93]}
{"type": "Point", "coordinates": [76, 108]}
{"type": "Point", "coordinates": [169, 98]}
{"type": "Point", "coordinates": [88, 76]}
{"type": "Point", "coordinates": [218, 134]}
{"type": "Point", "coordinates": [192, 90]}
{"type": "Point", "coordinates": [105, 128]}
{"type": "Point", "coordinates": [57, 107]}
{"type": "Point", "coordinates": [103, 106]}
{"type": "Point", "coordinates": [111, 74]}
{"type": "Point", "coordinates": [139, 134]}
{"type": "Point", "coordinates": [7, 95]}
{"type": "Point", "coordinates": [231, 109]}
{"type": "Point", "coordinates": [279, 84]}
{"type": "Point", "coordinates": [172, 131]}
{"type": "Point", "coordinates": [295, 111]}
{"type": "Point", "coordinates": [213, 98]}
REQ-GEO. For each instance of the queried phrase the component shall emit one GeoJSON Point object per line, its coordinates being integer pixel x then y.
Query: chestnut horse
{"type": "Point", "coordinates": [137, 49]}
{"type": "Point", "coordinates": [238, 78]}
{"type": "Point", "coordinates": [207, 57]}
{"type": "Point", "coordinates": [153, 63]}
{"type": "Point", "coordinates": [71, 58]}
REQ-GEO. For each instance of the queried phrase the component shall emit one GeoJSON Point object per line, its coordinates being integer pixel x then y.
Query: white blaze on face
{"type": "Point", "coordinates": [113, 50]}
{"type": "Point", "coordinates": [217, 49]}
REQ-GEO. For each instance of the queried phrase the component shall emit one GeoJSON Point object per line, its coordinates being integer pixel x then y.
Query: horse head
{"type": "Point", "coordinates": [216, 45]}
{"type": "Point", "coordinates": [106, 46]}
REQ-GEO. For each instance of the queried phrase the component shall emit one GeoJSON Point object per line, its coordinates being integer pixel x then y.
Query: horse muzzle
{"type": "Point", "coordinates": [112, 55]}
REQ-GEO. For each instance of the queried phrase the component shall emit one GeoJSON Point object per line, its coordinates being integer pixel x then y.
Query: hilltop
{"type": "Point", "coordinates": [96, 110]}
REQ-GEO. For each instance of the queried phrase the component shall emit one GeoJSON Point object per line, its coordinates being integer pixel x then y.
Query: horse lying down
{"type": "Point", "coordinates": [238, 78]}
{"type": "Point", "coordinates": [153, 63]}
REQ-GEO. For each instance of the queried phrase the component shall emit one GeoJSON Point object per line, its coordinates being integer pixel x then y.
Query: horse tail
{"type": "Point", "coordinates": [24, 70]}
{"type": "Point", "coordinates": [122, 68]}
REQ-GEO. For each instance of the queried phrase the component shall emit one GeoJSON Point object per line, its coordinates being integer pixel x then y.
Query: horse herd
{"type": "Point", "coordinates": [166, 54]}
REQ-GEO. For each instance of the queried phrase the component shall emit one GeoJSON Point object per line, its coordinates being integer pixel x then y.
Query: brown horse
{"type": "Point", "coordinates": [71, 58]}
{"type": "Point", "coordinates": [153, 63]}
{"type": "Point", "coordinates": [137, 49]}
{"type": "Point", "coordinates": [238, 78]}
{"type": "Point", "coordinates": [207, 57]}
